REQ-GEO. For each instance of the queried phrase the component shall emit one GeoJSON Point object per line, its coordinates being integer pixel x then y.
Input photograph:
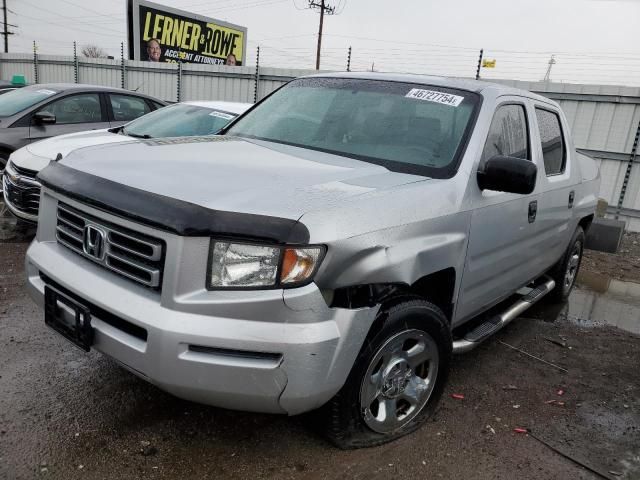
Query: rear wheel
{"type": "Point", "coordinates": [397, 378]}
{"type": "Point", "coordinates": [566, 271]}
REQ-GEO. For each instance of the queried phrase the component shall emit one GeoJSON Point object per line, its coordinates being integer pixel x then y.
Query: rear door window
{"type": "Point", "coordinates": [508, 134]}
{"type": "Point", "coordinates": [553, 147]}
{"type": "Point", "coordinates": [127, 107]}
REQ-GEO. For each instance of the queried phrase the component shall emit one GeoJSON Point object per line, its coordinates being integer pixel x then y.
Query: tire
{"type": "Point", "coordinates": [404, 325]}
{"type": "Point", "coordinates": [566, 270]}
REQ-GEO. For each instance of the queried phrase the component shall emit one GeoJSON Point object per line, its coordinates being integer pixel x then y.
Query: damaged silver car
{"type": "Point", "coordinates": [330, 250]}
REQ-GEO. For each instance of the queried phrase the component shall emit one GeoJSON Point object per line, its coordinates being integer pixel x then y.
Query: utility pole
{"type": "Point", "coordinates": [329, 10]}
{"type": "Point", "coordinates": [552, 62]}
{"type": "Point", "coordinates": [6, 31]}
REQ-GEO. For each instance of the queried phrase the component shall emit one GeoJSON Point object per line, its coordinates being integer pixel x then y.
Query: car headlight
{"type": "Point", "coordinates": [247, 265]}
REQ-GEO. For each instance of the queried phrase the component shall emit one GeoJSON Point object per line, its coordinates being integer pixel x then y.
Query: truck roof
{"type": "Point", "coordinates": [478, 86]}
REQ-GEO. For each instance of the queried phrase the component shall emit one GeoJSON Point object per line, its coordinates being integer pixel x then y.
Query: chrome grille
{"type": "Point", "coordinates": [23, 195]}
{"type": "Point", "coordinates": [128, 253]}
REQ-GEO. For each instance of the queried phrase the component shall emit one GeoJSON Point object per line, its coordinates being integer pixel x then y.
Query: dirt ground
{"type": "Point", "coordinates": [624, 265]}
{"type": "Point", "coordinates": [66, 414]}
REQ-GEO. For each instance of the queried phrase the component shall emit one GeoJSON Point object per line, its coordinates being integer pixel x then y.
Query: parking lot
{"type": "Point", "coordinates": [67, 414]}
{"type": "Point", "coordinates": [318, 239]}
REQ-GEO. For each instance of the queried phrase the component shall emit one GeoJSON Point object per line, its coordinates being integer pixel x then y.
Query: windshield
{"type": "Point", "coordinates": [179, 120]}
{"type": "Point", "coordinates": [405, 127]}
{"type": "Point", "coordinates": [19, 99]}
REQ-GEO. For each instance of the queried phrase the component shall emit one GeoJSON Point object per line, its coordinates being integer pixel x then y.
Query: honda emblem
{"type": "Point", "coordinates": [93, 242]}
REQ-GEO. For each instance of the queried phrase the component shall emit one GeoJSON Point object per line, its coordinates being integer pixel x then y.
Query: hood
{"type": "Point", "coordinates": [40, 153]}
{"type": "Point", "coordinates": [236, 175]}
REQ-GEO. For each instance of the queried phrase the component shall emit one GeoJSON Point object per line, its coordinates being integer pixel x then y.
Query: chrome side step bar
{"type": "Point", "coordinates": [475, 337]}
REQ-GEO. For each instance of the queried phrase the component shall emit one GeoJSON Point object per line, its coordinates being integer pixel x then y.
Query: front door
{"type": "Point", "coordinates": [74, 113]}
{"type": "Point", "coordinates": [502, 252]}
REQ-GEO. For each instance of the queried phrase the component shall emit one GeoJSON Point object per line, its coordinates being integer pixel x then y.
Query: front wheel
{"type": "Point", "coordinates": [566, 271]}
{"type": "Point", "coordinates": [397, 378]}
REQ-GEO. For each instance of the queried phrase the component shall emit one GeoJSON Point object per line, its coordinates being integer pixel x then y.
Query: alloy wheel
{"type": "Point", "coordinates": [399, 380]}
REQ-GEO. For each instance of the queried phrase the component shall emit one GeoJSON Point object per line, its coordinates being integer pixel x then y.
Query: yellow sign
{"type": "Point", "coordinates": [486, 63]}
{"type": "Point", "coordinates": [170, 35]}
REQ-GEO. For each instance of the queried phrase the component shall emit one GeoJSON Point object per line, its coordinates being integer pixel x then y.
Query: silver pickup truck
{"type": "Point", "coordinates": [330, 250]}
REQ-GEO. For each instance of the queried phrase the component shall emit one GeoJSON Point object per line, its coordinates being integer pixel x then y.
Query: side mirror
{"type": "Point", "coordinates": [44, 118]}
{"type": "Point", "coordinates": [508, 174]}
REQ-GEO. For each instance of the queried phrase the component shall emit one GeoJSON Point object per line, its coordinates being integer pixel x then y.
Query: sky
{"type": "Point", "coordinates": [593, 41]}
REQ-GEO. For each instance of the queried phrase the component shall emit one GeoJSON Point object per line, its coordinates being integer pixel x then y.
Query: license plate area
{"type": "Point", "coordinates": [69, 318]}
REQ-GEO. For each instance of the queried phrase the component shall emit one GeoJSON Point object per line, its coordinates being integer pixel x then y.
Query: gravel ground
{"type": "Point", "coordinates": [65, 414]}
{"type": "Point", "coordinates": [624, 265]}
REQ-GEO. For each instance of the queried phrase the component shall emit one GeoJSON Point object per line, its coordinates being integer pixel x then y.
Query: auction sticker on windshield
{"type": "Point", "coordinates": [437, 97]}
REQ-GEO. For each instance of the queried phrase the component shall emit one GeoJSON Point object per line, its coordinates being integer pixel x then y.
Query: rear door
{"type": "Point", "coordinates": [555, 223]}
{"type": "Point", "coordinates": [502, 253]}
{"type": "Point", "coordinates": [74, 113]}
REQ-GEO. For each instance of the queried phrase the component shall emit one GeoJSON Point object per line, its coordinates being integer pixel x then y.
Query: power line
{"type": "Point", "coordinates": [39, 7]}
{"type": "Point", "coordinates": [90, 10]}
{"type": "Point", "coordinates": [200, 4]}
{"type": "Point", "coordinates": [233, 8]}
{"type": "Point", "coordinates": [67, 27]}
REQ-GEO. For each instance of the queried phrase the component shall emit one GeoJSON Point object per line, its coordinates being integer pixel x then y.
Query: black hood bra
{"type": "Point", "coordinates": [166, 213]}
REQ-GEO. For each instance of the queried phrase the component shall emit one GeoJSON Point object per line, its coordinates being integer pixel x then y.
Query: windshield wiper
{"type": "Point", "coordinates": [136, 135]}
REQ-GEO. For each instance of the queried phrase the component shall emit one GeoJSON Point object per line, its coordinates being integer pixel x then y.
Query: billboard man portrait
{"type": "Point", "coordinates": [153, 50]}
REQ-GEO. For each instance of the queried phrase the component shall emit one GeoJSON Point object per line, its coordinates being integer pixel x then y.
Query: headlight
{"type": "Point", "coordinates": [245, 265]}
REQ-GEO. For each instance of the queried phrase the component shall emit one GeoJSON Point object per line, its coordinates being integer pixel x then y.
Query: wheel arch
{"type": "Point", "coordinates": [436, 287]}
{"type": "Point", "coordinates": [6, 148]}
{"type": "Point", "coordinates": [585, 222]}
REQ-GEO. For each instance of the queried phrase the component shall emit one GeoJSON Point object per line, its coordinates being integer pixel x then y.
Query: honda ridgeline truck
{"type": "Point", "coordinates": [329, 250]}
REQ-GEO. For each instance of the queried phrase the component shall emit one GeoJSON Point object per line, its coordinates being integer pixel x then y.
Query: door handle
{"type": "Point", "coordinates": [533, 210]}
{"type": "Point", "coordinates": [572, 196]}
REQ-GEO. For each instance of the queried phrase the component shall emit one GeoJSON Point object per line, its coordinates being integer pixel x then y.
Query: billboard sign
{"type": "Point", "coordinates": [163, 34]}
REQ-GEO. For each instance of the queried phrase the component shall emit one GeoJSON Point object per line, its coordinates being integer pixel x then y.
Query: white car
{"type": "Point", "coordinates": [22, 190]}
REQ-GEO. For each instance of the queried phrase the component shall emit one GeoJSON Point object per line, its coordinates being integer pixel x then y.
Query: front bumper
{"type": "Point", "coordinates": [211, 358]}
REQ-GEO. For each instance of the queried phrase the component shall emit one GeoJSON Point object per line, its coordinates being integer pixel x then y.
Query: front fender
{"type": "Point", "coordinates": [400, 254]}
